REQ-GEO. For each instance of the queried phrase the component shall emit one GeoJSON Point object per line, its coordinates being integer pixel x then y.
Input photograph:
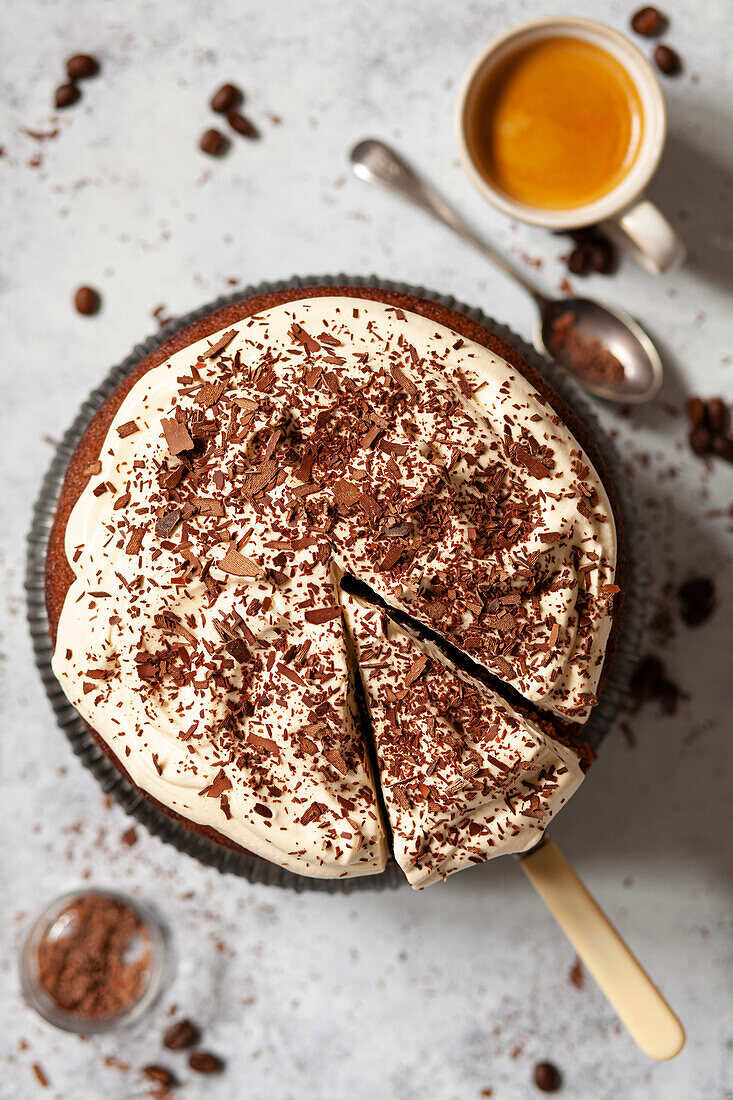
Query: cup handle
{"type": "Point", "coordinates": [644, 232]}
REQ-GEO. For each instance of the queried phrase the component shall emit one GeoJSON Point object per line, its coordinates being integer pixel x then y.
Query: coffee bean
{"type": "Point", "coordinates": [226, 98]}
{"type": "Point", "coordinates": [160, 1074]}
{"type": "Point", "coordinates": [700, 440]}
{"type": "Point", "coordinates": [547, 1077]}
{"type": "Point", "coordinates": [579, 261]}
{"type": "Point", "coordinates": [697, 600]}
{"type": "Point", "coordinates": [180, 1035]}
{"type": "Point", "coordinates": [602, 256]}
{"type": "Point", "coordinates": [66, 94]}
{"type": "Point", "coordinates": [723, 447]}
{"type": "Point", "coordinates": [647, 21]}
{"type": "Point", "coordinates": [646, 678]}
{"type": "Point", "coordinates": [81, 66]}
{"type": "Point", "coordinates": [214, 143]}
{"type": "Point", "coordinates": [204, 1062]}
{"type": "Point", "coordinates": [696, 411]}
{"type": "Point", "coordinates": [717, 415]}
{"type": "Point", "coordinates": [87, 301]}
{"type": "Point", "coordinates": [669, 696]}
{"type": "Point", "coordinates": [697, 590]}
{"type": "Point", "coordinates": [586, 235]}
{"type": "Point", "coordinates": [650, 682]}
{"type": "Point", "coordinates": [668, 60]}
{"type": "Point", "coordinates": [242, 125]}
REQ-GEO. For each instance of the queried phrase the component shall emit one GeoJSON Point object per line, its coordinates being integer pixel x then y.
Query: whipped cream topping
{"type": "Point", "coordinates": [464, 776]}
{"type": "Point", "coordinates": [201, 636]}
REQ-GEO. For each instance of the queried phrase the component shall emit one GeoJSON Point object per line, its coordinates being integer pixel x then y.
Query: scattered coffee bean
{"type": "Point", "coordinates": [647, 22]}
{"type": "Point", "coordinates": [710, 420]}
{"type": "Point", "coordinates": [181, 1035]}
{"type": "Point", "coordinates": [547, 1077]}
{"type": "Point", "coordinates": [87, 301]}
{"type": "Point", "coordinates": [696, 412]}
{"type": "Point", "coordinates": [585, 235]}
{"type": "Point", "coordinates": [579, 261]}
{"type": "Point", "coordinates": [646, 677]}
{"type": "Point", "coordinates": [723, 447]}
{"type": "Point", "coordinates": [81, 66]}
{"type": "Point", "coordinates": [668, 60]}
{"type": "Point", "coordinates": [697, 600]}
{"type": "Point", "coordinates": [593, 252]}
{"type": "Point", "coordinates": [668, 694]}
{"type": "Point", "coordinates": [202, 1061]}
{"type": "Point", "coordinates": [649, 682]}
{"type": "Point", "coordinates": [160, 1074]}
{"type": "Point", "coordinates": [226, 98]}
{"type": "Point", "coordinates": [602, 256]}
{"type": "Point", "coordinates": [700, 440]}
{"type": "Point", "coordinates": [717, 415]}
{"type": "Point", "coordinates": [214, 143]}
{"type": "Point", "coordinates": [66, 94]}
{"type": "Point", "coordinates": [242, 125]}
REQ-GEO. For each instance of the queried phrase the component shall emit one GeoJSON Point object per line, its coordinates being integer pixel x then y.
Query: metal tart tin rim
{"type": "Point", "coordinates": [113, 782]}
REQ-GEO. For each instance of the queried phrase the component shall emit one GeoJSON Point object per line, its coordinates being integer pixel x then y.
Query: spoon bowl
{"type": "Point", "coordinates": [617, 333]}
{"type": "Point", "coordinates": [626, 366]}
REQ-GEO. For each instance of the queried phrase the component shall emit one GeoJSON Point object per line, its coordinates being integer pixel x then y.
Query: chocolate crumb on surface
{"type": "Point", "coordinates": [576, 975]}
{"type": "Point", "coordinates": [40, 1075]}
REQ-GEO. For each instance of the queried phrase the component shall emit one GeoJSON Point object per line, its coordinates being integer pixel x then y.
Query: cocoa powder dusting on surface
{"type": "Point", "coordinates": [95, 960]}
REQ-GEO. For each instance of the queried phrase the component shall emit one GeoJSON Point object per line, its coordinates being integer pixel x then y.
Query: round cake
{"type": "Point", "coordinates": [332, 580]}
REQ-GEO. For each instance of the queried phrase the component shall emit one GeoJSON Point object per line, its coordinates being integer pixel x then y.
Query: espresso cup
{"type": "Point", "coordinates": [627, 216]}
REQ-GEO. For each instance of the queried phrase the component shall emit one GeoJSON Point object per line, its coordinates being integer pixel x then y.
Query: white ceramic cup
{"type": "Point", "coordinates": [627, 216]}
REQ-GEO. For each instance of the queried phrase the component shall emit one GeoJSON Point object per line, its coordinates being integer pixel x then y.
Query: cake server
{"type": "Point", "coordinates": [615, 331]}
{"type": "Point", "coordinates": [640, 1006]}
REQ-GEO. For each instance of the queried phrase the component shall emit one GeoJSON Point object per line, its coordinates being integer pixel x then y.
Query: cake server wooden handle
{"type": "Point", "coordinates": [641, 1007]}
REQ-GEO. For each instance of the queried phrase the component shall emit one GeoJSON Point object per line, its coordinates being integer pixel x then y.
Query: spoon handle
{"type": "Point", "coordinates": [376, 162]}
{"type": "Point", "coordinates": [641, 1007]}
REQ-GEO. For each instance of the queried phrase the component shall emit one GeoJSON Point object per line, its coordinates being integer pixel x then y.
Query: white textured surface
{"type": "Point", "coordinates": [442, 994]}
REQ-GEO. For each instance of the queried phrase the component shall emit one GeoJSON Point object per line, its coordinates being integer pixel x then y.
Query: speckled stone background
{"type": "Point", "coordinates": [398, 996]}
